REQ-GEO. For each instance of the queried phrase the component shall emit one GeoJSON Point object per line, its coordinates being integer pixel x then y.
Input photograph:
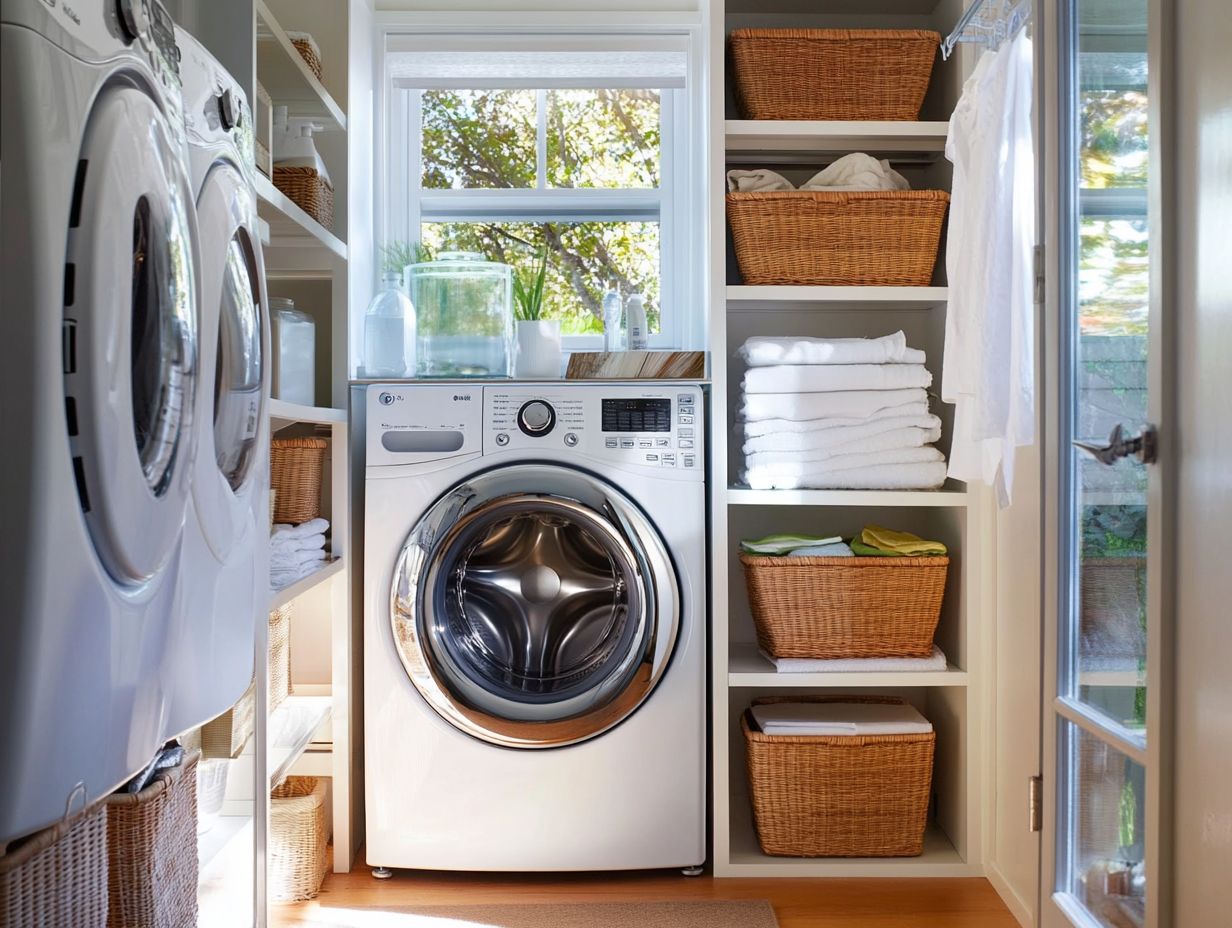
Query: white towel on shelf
{"type": "Point", "coordinates": [840, 718]}
{"type": "Point", "coordinates": [806, 407]}
{"type": "Point", "coordinates": [822, 378]}
{"type": "Point", "coordinates": [842, 436]}
{"type": "Point", "coordinates": [757, 181]}
{"type": "Point", "coordinates": [834, 549]}
{"type": "Point", "coordinates": [281, 577]}
{"type": "Point", "coordinates": [925, 476]}
{"type": "Point", "coordinates": [755, 428]}
{"type": "Point", "coordinates": [934, 662]}
{"type": "Point", "coordinates": [857, 171]}
{"type": "Point", "coordinates": [282, 559]}
{"type": "Point", "coordinates": [761, 351]}
{"type": "Point", "coordinates": [304, 529]}
{"type": "Point", "coordinates": [290, 543]}
{"type": "Point", "coordinates": [907, 446]}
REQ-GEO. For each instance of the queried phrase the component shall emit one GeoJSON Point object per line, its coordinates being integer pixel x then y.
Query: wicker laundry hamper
{"type": "Point", "coordinates": [296, 466]}
{"type": "Point", "coordinates": [858, 238]}
{"type": "Point", "coordinates": [152, 852]}
{"type": "Point", "coordinates": [845, 607]}
{"type": "Point", "coordinates": [57, 878]}
{"type": "Point", "coordinates": [838, 796]}
{"type": "Point", "coordinates": [308, 49]}
{"type": "Point", "coordinates": [280, 655]}
{"type": "Point", "coordinates": [298, 839]}
{"type": "Point", "coordinates": [308, 190]}
{"type": "Point", "coordinates": [830, 74]}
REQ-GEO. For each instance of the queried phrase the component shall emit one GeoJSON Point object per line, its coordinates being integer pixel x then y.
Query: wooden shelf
{"type": "Point", "coordinates": [281, 597]}
{"type": "Point", "coordinates": [283, 414]}
{"type": "Point", "coordinates": [747, 668]}
{"type": "Point", "coordinates": [813, 298]}
{"type": "Point", "coordinates": [287, 77]}
{"type": "Point", "coordinates": [940, 858]}
{"type": "Point", "coordinates": [764, 139]}
{"type": "Point", "coordinates": [290, 731]}
{"type": "Point", "coordinates": [291, 226]}
{"type": "Point", "coordinates": [863, 7]}
{"type": "Point", "coordinates": [953, 494]}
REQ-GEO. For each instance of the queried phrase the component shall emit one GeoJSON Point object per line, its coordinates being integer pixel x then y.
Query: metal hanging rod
{"type": "Point", "coordinates": [1016, 16]}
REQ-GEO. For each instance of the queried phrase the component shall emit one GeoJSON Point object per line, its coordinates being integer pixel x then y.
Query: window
{"type": "Point", "coordinates": [570, 146]}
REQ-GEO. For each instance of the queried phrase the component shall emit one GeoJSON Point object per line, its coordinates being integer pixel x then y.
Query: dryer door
{"type": "Point", "coordinates": [234, 335]}
{"type": "Point", "coordinates": [535, 606]}
{"type": "Point", "coordinates": [130, 334]}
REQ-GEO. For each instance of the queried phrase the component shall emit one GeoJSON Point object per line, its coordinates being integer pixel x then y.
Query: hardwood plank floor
{"type": "Point", "coordinates": [798, 903]}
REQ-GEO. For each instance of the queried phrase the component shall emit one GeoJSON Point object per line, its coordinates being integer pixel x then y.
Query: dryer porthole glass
{"type": "Point", "coordinates": [238, 366]}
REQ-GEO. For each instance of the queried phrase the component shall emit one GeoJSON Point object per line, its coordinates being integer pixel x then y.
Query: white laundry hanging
{"type": "Point", "coordinates": [989, 369]}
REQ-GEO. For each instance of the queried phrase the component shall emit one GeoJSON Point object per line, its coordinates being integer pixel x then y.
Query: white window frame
{"type": "Point", "coordinates": [406, 204]}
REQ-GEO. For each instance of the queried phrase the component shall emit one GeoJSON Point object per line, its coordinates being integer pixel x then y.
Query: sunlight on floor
{"type": "Point", "coordinates": [352, 918]}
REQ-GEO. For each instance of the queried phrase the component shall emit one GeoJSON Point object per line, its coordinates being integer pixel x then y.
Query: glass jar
{"type": "Point", "coordinates": [389, 331]}
{"type": "Point", "coordinates": [293, 333]}
{"type": "Point", "coordinates": [464, 313]}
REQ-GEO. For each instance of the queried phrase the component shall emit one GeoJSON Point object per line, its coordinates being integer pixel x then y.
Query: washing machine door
{"type": "Point", "coordinates": [535, 606]}
{"type": "Point", "coordinates": [130, 334]}
{"type": "Point", "coordinates": [234, 336]}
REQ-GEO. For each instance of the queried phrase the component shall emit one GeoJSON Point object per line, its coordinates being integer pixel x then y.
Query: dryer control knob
{"type": "Point", "coordinates": [134, 18]}
{"type": "Point", "coordinates": [229, 110]}
{"type": "Point", "coordinates": [536, 417]}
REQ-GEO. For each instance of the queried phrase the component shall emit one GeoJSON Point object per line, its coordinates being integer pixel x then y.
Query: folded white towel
{"type": "Point", "coordinates": [290, 543]}
{"type": "Point", "coordinates": [757, 181]}
{"type": "Point", "coordinates": [284, 559]}
{"type": "Point", "coordinates": [805, 407]}
{"type": "Point", "coordinates": [304, 529]}
{"type": "Point", "coordinates": [928, 476]}
{"type": "Point", "coordinates": [840, 718]}
{"type": "Point", "coordinates": [281, 577]}
{"type": "Point", "coordinates": [762, 351]}
{"type": "Point", "coordinates": [822, 378]}
{"type": "Point", "coordinates": [836, 549]}
{"type": "Point", "coordinates": [934, 662]}
{"type": "Point", "coordinates": [887, 448]}
{"type": "Point", "coordinates": [844, 435]}
{"type": "Point", "coordinates": [857, 171]}
{"type": "Point", "coordinates": [755, 428]}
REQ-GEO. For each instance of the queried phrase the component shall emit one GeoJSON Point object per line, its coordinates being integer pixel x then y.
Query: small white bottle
{"type": "Point", "coordinates": [635, 312]}
{"type": "Point", "coordinates": [613, 313]}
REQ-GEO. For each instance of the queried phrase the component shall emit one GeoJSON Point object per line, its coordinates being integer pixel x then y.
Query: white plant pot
{"type": "Point", "coordinates": [539, 355]}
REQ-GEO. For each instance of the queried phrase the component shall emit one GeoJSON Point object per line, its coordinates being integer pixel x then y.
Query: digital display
{"type": "Point", "coordinates": [637, 415]}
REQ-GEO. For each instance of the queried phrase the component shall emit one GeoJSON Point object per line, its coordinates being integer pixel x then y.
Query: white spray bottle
{"type": "Point", "coordinates": [635, 312]}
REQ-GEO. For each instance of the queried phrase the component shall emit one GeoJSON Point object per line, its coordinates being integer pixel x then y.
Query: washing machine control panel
{"type": "Point", "coordinates": [656, 426]}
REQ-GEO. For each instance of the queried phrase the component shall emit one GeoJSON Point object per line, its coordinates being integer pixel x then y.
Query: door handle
{"type": "Point", "coordinates": [1144, 447]}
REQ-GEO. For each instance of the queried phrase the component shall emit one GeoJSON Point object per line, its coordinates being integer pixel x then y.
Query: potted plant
{"type": "Point", "coordinates": [538, 339]}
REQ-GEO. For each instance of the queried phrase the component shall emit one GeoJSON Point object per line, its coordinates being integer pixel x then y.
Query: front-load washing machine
{"type": "Point", "coordinates": [99, 362]}
{"type": "Point", "coordinates": [534, 626]}
{"type": "Point", "coordinates": [224, 575]}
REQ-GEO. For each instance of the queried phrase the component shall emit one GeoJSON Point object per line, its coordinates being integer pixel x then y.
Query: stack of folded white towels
{"type": "Point", "coordinates": [296, 551]}
{"type": "Point", "coordinates": [838, 413]}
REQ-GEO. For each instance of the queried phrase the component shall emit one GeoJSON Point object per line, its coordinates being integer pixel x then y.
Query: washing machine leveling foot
{"type": "Point", "coordinates": [381, 873]}
{"type": "Point", "coordinates": [693, 871]}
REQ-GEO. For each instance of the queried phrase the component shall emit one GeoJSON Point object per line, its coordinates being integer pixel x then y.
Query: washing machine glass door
{"type": "Point", "coordinates": [535, 606]}
{"type": "Point", "coordinates": [130, 335]}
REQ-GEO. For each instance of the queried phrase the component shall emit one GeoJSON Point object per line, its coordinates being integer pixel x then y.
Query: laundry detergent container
{"type": "Point", "coordinates": [464, 310]}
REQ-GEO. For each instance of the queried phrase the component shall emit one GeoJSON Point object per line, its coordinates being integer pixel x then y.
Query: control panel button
{"type": "Point", "coordinates": [628, 443]}
{"type": "Point", "coordinates": [536, 418]}
{"type": "Point", "coordinates": [686, 443]}
{"type": "Point", "coordinates": [669, 460]}
{"type": "Point", "coordinates": [685, 420]}
{"type": "Point", "coordinates": [652, 458]}
{"type": "Point", "coordinates": [684, 399]}
{"type": "Point", "coordinates": [571, 439]}
{"type": "Point", "coordinates": [645, 443]}
{"type": "Point", "coordinates": [502, 439]}
{"type": "Point", "coordinates": [689, 460]}
{"type": "Point", "coordinates": [685, 433]}
{"type": "Point", "coordinates": [663, 443]}
{"type": "Point", "coordinates": [610, 443]}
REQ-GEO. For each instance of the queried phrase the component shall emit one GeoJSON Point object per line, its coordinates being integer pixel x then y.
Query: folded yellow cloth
{"type": "Point", "coordinates": [903, 543]}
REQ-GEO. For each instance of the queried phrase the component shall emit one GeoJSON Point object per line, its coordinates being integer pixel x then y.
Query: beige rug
{"type": "Point", "coordinates": [755, 914]}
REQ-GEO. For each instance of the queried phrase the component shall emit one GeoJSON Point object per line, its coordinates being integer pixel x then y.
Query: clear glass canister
{"type": "Point", "coordinates": [389, 331]}
{"type": "Point", "coordinates": [464, 313]}
{"type": "Point", "coordinates": [294, 337]}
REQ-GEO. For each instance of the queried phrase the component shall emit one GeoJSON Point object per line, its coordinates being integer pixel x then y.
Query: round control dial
{"type": "Point", "coordinates": [536, 417]}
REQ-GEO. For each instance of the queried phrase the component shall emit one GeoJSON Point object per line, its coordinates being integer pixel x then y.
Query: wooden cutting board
{"type": "Point", "coordinates": [636, 365]}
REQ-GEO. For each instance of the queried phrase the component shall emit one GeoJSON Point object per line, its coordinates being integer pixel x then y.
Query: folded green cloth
{"type": "Point", "coordinates": [784, 544]}
{"type": "Point", "coordinates": [904, 544]}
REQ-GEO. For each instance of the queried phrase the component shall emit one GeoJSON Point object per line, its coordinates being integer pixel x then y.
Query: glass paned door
{"type": "Point", "coordinates": [1101, 714]}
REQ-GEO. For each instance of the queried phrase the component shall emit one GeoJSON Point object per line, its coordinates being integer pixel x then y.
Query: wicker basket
{"type": "Point", "coordinates": [308, 49]}
{"type": "Point", "coordinates": [308, 190]}
{"type": "Point", "coordinates": [873, 238]}
{"type": "Point", "coordinates": [279, 655]}
{"type": "Point", "coordinates": [57, 878]}
{"type": "Point", "coordinates": [839, 796]}
{"type": "Point", "coordinates": [225, 736]}
{"type": "Point", "coordinates": [298, 839]}
{"type": "Point", "coordinates": [152, 852]}
{"type": "Point", "coordinates": [832, 73]}
{"type": "Point", "coordinates": [296, 465]}
{"type": "Point", "coordinates": [832, 607]}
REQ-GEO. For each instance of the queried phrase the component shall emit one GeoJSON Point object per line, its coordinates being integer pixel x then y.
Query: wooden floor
{"type": "Point", "coordinates": [798, 903]}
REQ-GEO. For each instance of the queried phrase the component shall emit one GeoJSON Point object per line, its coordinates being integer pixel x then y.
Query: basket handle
{"type": "Point", "coordinates": [68, 803]}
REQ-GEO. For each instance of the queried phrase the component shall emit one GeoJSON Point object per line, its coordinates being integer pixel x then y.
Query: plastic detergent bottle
{"type": "Point", "coordinates": [613, 312]}
{"type": "Point", "coordinates": [635, 310]}
{"type": "Point", "coordinates": [389, 331]}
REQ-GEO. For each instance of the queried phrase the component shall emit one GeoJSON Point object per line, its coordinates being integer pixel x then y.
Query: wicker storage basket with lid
{"type": "Point", "coordinates": [856, 74]}
{"type": "Point", "coordinates": [838, 795]}
{"type": "Point", "coordinates": [296, 465]}
{"type": "Point", "coordinates": [845, 607]}
{"type": "Point", "coordinates": [857, 238]}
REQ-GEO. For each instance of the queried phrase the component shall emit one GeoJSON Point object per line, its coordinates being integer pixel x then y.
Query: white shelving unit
{"type": "Point", "coordinates": [954, 698]}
